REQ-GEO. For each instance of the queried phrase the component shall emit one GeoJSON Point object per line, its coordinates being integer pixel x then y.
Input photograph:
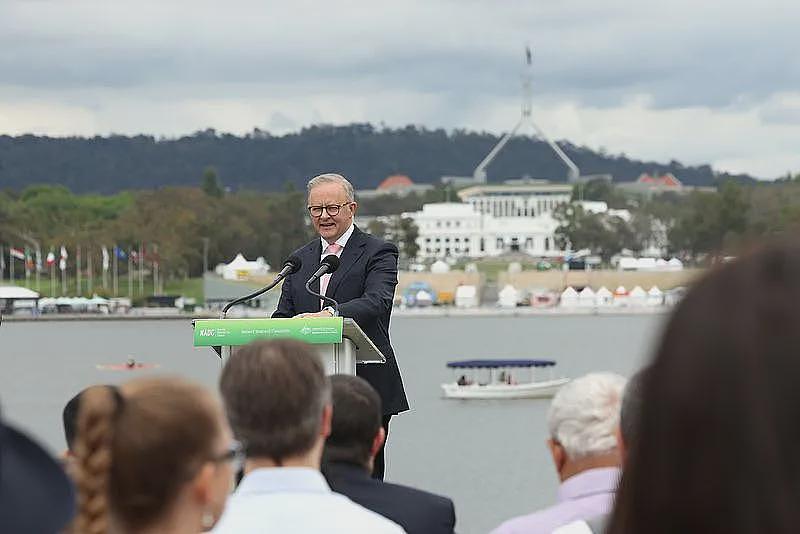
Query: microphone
{"type": "Point", "coordinates": [290, 266]}
{"type": "Point", "coordinates": [328, 265]}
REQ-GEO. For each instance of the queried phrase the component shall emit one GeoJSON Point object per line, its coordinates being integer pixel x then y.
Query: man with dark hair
{"type": "Point", "coordinates": [278, 402]}
{"type": "Point", "coordinates": [356, 436]}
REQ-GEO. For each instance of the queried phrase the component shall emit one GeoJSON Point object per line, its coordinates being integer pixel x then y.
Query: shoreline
{"type": "Point", "coordinates": [397, 312]}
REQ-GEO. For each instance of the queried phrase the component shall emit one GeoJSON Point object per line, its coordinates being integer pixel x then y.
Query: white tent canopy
{"type": "Point", "coordinates": [17, 293]}
{"type": "Point", "coordinates": [241, 268]}
{"type": "Point", "coordinates": [569, 297]}
{"type": "Point", "coordinates": [508, 297]}
{"type": "Point", "coordinates": [655, 297]}
{"type": "Point", "coordinates": [675, 264]}
{"type": "Point", "coordinates": [440, 267]}
{"type": "Point", "coordinates": [586, 297]}
{"type": "Point", "coordinates": [466, 296]}
{"type": "Point", "coordinates": [603, 297]}
{"type": "Point", "coordinates": [637, 296]}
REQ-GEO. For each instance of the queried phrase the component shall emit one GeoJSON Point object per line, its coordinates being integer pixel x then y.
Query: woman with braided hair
{"type": "Point", "coordinates": [154, 455]}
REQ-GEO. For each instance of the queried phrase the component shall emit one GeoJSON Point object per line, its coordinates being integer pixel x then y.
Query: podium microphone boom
{"type": "Point", "coordinates": [290, 266]}
{"type": "Point", "coordinates": [328, 265]}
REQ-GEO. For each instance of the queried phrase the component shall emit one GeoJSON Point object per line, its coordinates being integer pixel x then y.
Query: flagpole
{"type": "Point", "coordinates": [78, 270]}
{"type": "Point", "coordinates": [2, 263]}
{"type": "Point", "coordinates": [11, 264]}
{"type": "Point", "coordinates": [155, 270]}
{"type": "Point", "coordinates": [130, 280]}
{"type": "Point", "coordinates": [104, 252]}
{"type": "Point", "coordinates": [62, 264]}
{"type": "Point", "coordinates": [38, 265]}
{"type": "Point", "coordinates": [141, 269]}
{"type": "Point", "coordinates": [90, 277]}
{"type": "Point", "coordinates": [27, 270]}
{"type": "Point", "coordinates": [115, 273]}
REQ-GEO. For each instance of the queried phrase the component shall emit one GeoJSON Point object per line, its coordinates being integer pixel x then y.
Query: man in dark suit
{"type": "Point", "coordinates": [356, 435]}
{"type": "Point", "coordinates": [363, 285]}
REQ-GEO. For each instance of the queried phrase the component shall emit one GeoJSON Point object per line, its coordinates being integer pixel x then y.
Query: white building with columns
{"type": "Point", "coordinates": [492, 220]}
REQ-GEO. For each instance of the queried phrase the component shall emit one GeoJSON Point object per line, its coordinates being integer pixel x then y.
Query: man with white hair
{"type": "Point", "coordinates": [582, 421]}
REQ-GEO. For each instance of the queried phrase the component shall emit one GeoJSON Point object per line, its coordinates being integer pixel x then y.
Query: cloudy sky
{"type": "Point", "coordinates": [702, 82]}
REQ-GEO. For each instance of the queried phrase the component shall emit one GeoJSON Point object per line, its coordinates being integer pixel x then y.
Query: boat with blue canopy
{"type": "Point", "coordinates": [503, 379]}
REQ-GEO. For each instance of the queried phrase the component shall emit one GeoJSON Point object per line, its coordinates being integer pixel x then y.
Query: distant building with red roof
{"type": "Point", "coordinates": [653, 184]}
{"type": "Point", "coordinates": [396, 181]}
{"type": "Point", "coordinates": [395, 184]}
{"type": "Point", "coordinates": [665, 180]}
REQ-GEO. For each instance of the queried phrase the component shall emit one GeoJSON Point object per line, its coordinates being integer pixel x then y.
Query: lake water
{"type": "Point", "coordinates": [489, 456]}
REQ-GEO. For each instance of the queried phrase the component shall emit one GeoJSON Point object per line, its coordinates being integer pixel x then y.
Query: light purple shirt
{"type": "Point", "coordinates": [582, 496]}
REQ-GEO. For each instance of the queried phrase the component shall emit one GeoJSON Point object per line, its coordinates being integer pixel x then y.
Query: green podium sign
{"type": "Point", "coordinates": [234, 332]}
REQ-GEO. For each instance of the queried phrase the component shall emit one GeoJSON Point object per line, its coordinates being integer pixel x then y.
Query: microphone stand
{"type": "Point", "coordinates": [252, 295]}
{"type": "Point", "coordinates": [333, 303]}
{"type": "Point", "coordinates": [224, 352]}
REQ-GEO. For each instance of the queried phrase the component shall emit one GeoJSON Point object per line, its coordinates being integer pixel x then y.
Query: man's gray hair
{"type": "Point", "coordinates": [584, 414]}
{"type": "Point", "coordinates": [333, 178]}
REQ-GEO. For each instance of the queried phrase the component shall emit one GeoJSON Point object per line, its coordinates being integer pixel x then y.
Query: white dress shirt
{"type": "Point", "coordinates": [342, 241]}
{"type": "Point", "coordinates": [296, 499]}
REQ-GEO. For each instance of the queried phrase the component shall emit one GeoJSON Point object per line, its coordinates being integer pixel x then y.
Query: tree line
{"type": "Point", "coordinates": [694, 226]}
{"type": "Point", "coordinates": [174, 224]}
{"type": "Point", "coordinates": [260, 161]}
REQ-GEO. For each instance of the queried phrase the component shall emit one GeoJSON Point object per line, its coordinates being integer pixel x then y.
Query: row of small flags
{"type": "Point", "coordinates": [33, 259]}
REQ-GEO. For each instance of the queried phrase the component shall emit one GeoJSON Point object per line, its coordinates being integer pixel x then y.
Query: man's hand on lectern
{"type": "Point", "coordinates": [323, 313]}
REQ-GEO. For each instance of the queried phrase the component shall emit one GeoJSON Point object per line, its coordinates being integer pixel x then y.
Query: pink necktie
{"type": "Point", "coordinates": [333, 248]}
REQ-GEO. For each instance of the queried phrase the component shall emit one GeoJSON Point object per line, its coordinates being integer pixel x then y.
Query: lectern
{"type": "Point", "coordinates": [340, 342]}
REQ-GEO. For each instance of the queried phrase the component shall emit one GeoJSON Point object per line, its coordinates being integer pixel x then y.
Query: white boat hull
{"type": "Point", "coordinates": [532, 390]}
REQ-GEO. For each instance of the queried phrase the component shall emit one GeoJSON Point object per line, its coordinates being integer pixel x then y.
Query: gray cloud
{"type": "Point", "coordinates": [172, 67]}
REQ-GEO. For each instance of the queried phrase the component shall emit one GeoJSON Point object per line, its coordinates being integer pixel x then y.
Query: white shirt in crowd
{"type": "Point", "coordinates": [296, 499]}
{"type": "Point", "coordinates": [576, 527]}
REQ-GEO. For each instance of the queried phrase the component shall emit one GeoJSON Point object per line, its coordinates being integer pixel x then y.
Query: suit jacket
{"type": "Point", "coordinates": [417, 511]}
{"type": "Point", "coordinates": [363, 285]}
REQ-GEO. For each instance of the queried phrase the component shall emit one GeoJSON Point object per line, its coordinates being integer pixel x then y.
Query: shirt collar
{"type": "Point", "coordinates": [342, 241]}
{"type": "Point", "coordinates": [283, 480]}
{"type": "Point", "coordinates": [589, 482]}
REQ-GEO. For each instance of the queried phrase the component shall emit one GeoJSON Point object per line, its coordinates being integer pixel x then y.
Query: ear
{"type": "Point", "coordinates": [353, 207]}
{"type": "Point", "coordinates": [558, 453]}
{"type": "Point", "coordinates": [327, 419]}
{"type": "Point", "coordinates": [623, 451]}
{"type": "Point", "coordinates": [202, 484]}
{"type": "Point", "coordinates": [377, 441]}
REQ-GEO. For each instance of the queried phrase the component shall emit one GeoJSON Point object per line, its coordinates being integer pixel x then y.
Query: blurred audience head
{"type": "Point", "coordinates": [152, 455]}
{"type": "Point", "coordinates": [582, 420]}
{"type": "Point", "coordinates": [278, 401]}
{"type": "Point", "coordinates": [718, 433]}
{"type": "Point", "coordinates": [356, 431]}
{"type": "Point", "coordinates": [35, 493]}
{"type": "Point", "coordinates": [629, 412]}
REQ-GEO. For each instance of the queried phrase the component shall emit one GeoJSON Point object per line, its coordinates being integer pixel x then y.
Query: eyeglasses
{"type": "Point", "coordinates": [332, 209]}
{"type": "Point", "coordinates": [234, 453]}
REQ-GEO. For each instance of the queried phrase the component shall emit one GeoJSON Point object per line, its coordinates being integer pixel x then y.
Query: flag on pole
{"type": "Point", "coordinates": [29, 261]}
{"type": "Point", "coordinates": [106, 262]}
{"type": "Point", "coordinates": [62, 264]}
{"type": "Point", "coordinates": [120, 253]}
{"type": "Point", "coordinates": [51, 258]}
{"type": "Point", "coordinates": [16, 253]}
